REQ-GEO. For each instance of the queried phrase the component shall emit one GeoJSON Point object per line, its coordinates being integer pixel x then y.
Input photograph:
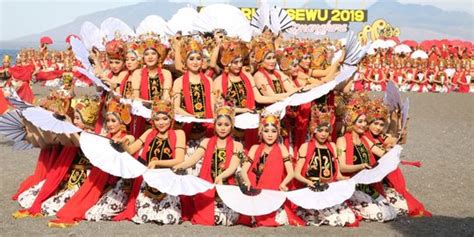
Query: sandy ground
{"type": "Point", "coordinates": [441, 136]}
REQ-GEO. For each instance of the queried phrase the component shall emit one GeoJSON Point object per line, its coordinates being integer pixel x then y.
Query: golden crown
{"type": "Point", "coordinates": [232, 49]}
{"type": "Point", "coordinates": [88, 108]}
{"type": "Point", "coordinates": [6, 58]}
{"type": "Point", "coordinates": [269, 119]}
{"type": "Point", "coordinates": [162, 107]}
{"type": "Point", "coordinates": [116, 49]}
{"type": "Point", "coordinates": [320, 116]}
{"type": "Point", "coordinates": [150, 41]}
{"type": "Point", "coordinates": [376, 110]}
{"type": "Point", "coordinates": [261, 48]}
{"type": "Point", "coordinates": [355, 107]}
{"type": "Point", "coordinates": [120, 110]}
{"type": "Point", "coordinates": [58, 102]}
{"type": "Point", "coordinates": [188, 46]}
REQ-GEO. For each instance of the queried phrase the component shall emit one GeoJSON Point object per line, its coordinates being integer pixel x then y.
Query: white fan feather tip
{"type": "Point", "coordinates": [81, 52]}
{"type": "Point", "coordinates": [223, 16]}
{"type": "Point", "coordinates": [265, 202]}
{"type": "Point", "coordinates": [103, 156]}
{"type": "Point", "coordinates": [91, 36]}
{"type": "Point", "coordinates": [182, 21]}
{"type": "Point", "coordinates": [168, 182]}
{"type": "Point", "coordinates": [152, 24]}
{"type": "Point", "coordinates": [337, 193]}
{"type": "Point", "coordinates": [386, 164]}
{"type": "Point", "coordinates": [261, 17]}
{"type": "Point", "coordinates": [280, 20]}
{"type": "Point", "coordinates": [45, 120]}
{"type": "Point", "coordinates": [110, 27]}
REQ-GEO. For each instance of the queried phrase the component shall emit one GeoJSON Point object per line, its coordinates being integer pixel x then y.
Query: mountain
{"type": "Point", "coordinates": [416, 22]}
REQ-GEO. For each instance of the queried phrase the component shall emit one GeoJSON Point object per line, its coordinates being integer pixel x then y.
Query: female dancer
{"type": "Point", "coordinates": [219, 155]}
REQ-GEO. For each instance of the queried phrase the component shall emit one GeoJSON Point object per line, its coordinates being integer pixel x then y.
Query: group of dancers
{"type": "Point", "coordinates": [217, 78]}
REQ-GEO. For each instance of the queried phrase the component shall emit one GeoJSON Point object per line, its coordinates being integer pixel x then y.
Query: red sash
{"type": "Point", "coordinates": [248, 88]}
{"type": "Point", "coordinates": [187, 94]}
{"type": "Point", "coordinates": [204, 202]}
{"type": "Point", "coordinates": [310, 153]}
{"type": "Point", "coordinates": [144, 82]}
{"type": "Point", "coordinates": [130, 209]}
{"type": "Point", "coordinates": [46, 159]}
{"type": "Point", "coordinates": [54, 177]}
{"type": "Point", "coordinates": [269, 79]}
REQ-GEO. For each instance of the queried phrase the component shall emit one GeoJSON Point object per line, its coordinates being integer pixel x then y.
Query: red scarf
{"type": "Point", "coordinates": [310, 152]}
{"type": "Point", "coordinates": [207, 94]}
{"type": "Point", "coordinates": [144, 82]}
{"type": "Point", "coordinates": [350, 158]}
{"type": "Point", "coordinates": [269, 79]}
{"type": "Point", "coordinates": [273, 174]}
{"type": "Point", "coordinates": [46, 160]}
{"type": "Point", "coordinates": [54, 177]}
{"type": "Point", "coordinates": [204, 202]}
{"type": "Point", "coordinates": [86, 197]}
{"type": "Point", "coordinates": [248, 88]}
{"type": "Point", "coordinates": [123, 83]}
{"type": "Point", "coordinates": [130, 209]}
{"type": "Point", "coordinates": [50, 75]}
{"type": "Point", "coordinates": [250, 135]}
{"type": "Point", "coordinates": [22, 72]}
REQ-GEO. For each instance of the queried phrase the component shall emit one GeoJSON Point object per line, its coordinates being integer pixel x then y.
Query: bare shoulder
{"type": "Point", "coordinates": [284, 150]}
{"type": "Point", "coordinates": [238, 146]}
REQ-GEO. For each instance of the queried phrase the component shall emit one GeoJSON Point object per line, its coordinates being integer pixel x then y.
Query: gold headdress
{"type": "Point", "coordinates": [320, 116]}
{"type": "Point", "coordinates": [355, 107]}
{"type": "Point", "coordinates": [58, 102]}
{"type": "Point", "coordinates": [376, 110]}
{"type": "Point", "coordinates": [150, 41]}
{"type": "Point", "coordinates": [232, 49]}
{"type": "Point", "coordinates": [116, 49]}
{"type": "Point", "coordinates": [6, 58]}
{"type": "Point", "coordinates": [162, 107]}
{"type": "Point", "coordinates": [261, 48]}
{"type": "Point", "coordinates": [269, 119]}
{"type": "Point", "coordinates": [88, 108]}
{"type": "Point", "coordinates": [122, 111]}
{"type": "Point", "coordinates": [189, 46]}
{"type": "Point", "coordinates": [291, 55]}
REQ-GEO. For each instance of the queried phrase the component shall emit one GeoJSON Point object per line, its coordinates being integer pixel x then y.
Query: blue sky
{"type": "Point", "coordinates": [23, 17]}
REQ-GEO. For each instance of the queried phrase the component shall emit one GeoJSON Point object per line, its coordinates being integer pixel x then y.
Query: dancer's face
{"type": "Point", "coordinates": [322, 133]}
{"type": "Point", "coordinates": [376, 127]}
{"type": "Point", "coordinates": [194, 62]}
{"type": "Point", "coordinates": [150, 57]}
{"type": "Point", "coordinates": [236, 66]}
{"type": "Point", "coordinates": [116, 65]}
{"type": "Point", "coordinates": [162, 122]}
{"type": "Point", "coordinates": [78, 120]}
{"type": "Point", "coordinates": [269, 134]}
{"type": "Point", "coordinates": [269, 62]}
{"type": "Point", "coordinates": [112, 123]}
{"type": "Point", "coordinates": [131, 61]}
{"type": "Point", "coordinates": [305, 62]}
{"type": "Point", "coordinates": [223, 126]}
{"type": "Point", "coordinates": [360, 124]}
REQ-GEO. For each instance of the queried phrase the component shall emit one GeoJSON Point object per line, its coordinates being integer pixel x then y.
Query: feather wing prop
{"type": "Point", "coordinates": [48, 121]}
{"type": "Point", "coordinates": [259, 202]}
{"type": "Point", "coordinates": [182, 21]}
{"type": "Point", "coordinates": [92, 36]}
{"type": "Point", "coordinates": [392, 97]}
{"type": "Point", "coordinates": [93, 78]}
{"type": "Point", "coordinates": [111, 27]}
{"type": "Point", "coordinates": [168, 182]}
{"type": "Point", "coordinates": [223, 16]}
{"type": "Point", "coordinates": [336, 193]}
{"type": "Point", "coordinates": [109, 158]}
{"type": "Point", "coordinates": [81, 52]}
{"type": "Point", "coordinates": [11, 126]}
{"type": "Point", "coordinates": [18, 103]}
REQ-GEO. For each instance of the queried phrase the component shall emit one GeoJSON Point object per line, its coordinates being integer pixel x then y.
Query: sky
{"type": "Point", "coordinates": [23, 17]}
